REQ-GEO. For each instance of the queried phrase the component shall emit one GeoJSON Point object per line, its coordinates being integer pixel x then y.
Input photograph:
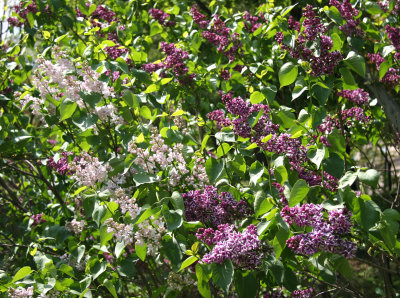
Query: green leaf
{"type": "Point", "coordinates": [177, 201]}
{"type": "Point", "coordinates": [281, 174]}
{"type": "Point", "coordinates": [140, 179]}
{"type": "Point", "coordinates": [203, 276]}
{"type": "Point", "coordinates": [298, 192]}
{"type": "Point", "coordinates": [356, 63]}
{"type": "Point", "coordinates": [334, 165]}
{"type": "Point", "coordinates": [226, 135]}
{"type": "Point", "coordinates": [151, 88]}
{"type": "Point", "coordinates": [189, 261]}
{"type": "Point", "coordinates": [173, 251]}
{"type": "Point", "coordinates": [261, 204]}
{"type": "Point", "coordinates": [321, 92]}
{"type": "Point", "coordinates": [110, 287]}
{"type": "Point", "coordinates": [223, 149]}
{"type": "Point", "coordinates": [316, 155]}
{"type": "Point", "coordinates": [246, 284]}
{"type": "Point", "coordinates": [155, 28]}
{"type": "Point", "coordinates": [222, 274]}
{"type": "Point", "coordinates": [287, 74]}
{"type": "Point", "coordinates": [334, 14]}
{"type": "Point", "coordinates": [141, 251]}
{"type": "Point", "coordinates": [341, 264]}
{"type": "Point", "coordinates": [131, 99]}
{"type": "Point", "coordinates": [370, 177]}
{"type": "Point", "coordinates": [98, 269]}
{"type": "Point", "coordinates": [119, 247]}
{"type": "Point", "coordinates": [256, 97]}
{"type": "Point", "coordinates": [279, 242]}
{"type": "Point", "coordinates": [145, 112]}
{"type": "Point", "coordinates": [21, 273]}
{"type": "Point", "coordinates": [256, 171]}
{"type": "Point", "coordinates": [214, 169]}
{"type": "Point", "coordinates": [67, 108]}
{"type": "Point", "coordinates": [383, 68]}
{"type": "Point", "coordinates": [348, 179]}
{"type": "Point", "coordinates": [173, 219]}
{"type": "Point", "coordinates": [67, 270]}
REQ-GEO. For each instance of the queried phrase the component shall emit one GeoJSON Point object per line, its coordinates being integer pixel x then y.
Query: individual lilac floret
{"type": "Point", "coordinates": [326, 235]}
{"type": "Point", "coordinates": [243, 249]}
{"type": "Point", "coordinates": [358, 96]}
{"type": "Point", "coordinates": [209, 207]}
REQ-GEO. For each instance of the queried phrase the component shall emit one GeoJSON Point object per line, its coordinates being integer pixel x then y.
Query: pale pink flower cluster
{"type": "Point", "coordinates": [89, 170]}
{"type": "Point", "coordinates": [199, 178]}
{"type": "Point", "coordinates": [121, 232]}
{"type": "Point", "coordinates": [109, 112]}
{"type": "Point", "coordinates": [150, 231]}
{"type": "Point", "coordinates": [66, 79]}
{"type": "Point", "coordinates": [35, 106]}
{"type": "Point", "coordinates": [75, 226]}
{"type": "Point", "coordinates": [20, 292]}
{"type": "Point", "coordinates": [161, 157]}
{"type": "Point", "coordinates": [127, 203]}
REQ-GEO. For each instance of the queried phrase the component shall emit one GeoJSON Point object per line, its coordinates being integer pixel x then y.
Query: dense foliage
{"type": "Point", "coordinates": [162, 148]}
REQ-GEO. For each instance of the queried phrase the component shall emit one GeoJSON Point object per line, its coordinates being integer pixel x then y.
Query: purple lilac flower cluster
{"type": "Point", "coordinates": [280, 190]}
{"type": "Point", "coordinates": [238, 107]}
{"type": "Point", "coordinates": [322, 63]}
{"type": "Point", "coordinates": [23, 12]}
{"type": "Point", "coordinates": [392, 77]}
{"type": "Point", "coordinates": [359, 96]}
{"type": "Point", "coordinates": [62, 165]}
{"type": "Point", "coordinates": [306, 293]}
{"type": "Point", "coordinates": [278, 143]}
{"type": "Point", "coordinates": [218, 35]}
{"type": "Point", "coordinates": [326, 235]}
{"type": "Point", "coordinates": [37, 219]}
{"type": "Point", "coordinates": [329, 182]}
{"type": "Point", "coordinates": [377, 59]}
{"type": "Point", "coordinates": [212, 208]}
{"type": "Point", "coordinates": [349, 13]}
{"type": "Point", "coordinates": [244, 249]}
{"type": "Point", "coordinates": [199, 18]}
{"type": "Point", "coordinates": [394, 36]}
{"type": "Point", "coordinates": [347, 116]}
{"type": "Point", "coordinates": [252, 22]}
{"type": "Point", "coordinates": [161, 17]}
{"type": "Point", "coordinates": [115, 51]}
{"type": "Point", "coordinates": [173, 61]}
{"type": "Point", "coordinates": [104, 14]}
{"type": "Point", "coordinates": [219, 117]}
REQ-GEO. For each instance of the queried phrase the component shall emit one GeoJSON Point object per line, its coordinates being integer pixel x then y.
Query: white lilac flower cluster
{"type": "Point", "coordinates": [150, 232]}
{"type": "Point", "coordinates": [66, 79]}
{"type": "Point", "coordinates": [127, 203]}
{"type": "Point", "coordinates": [161, 157]}
{"type": "Point", "coordinates": [20, 292]}
{"type": "Point", "coordinates": [89, 170]}
{"type": "Point", "coordinates": [75, 226]}
{"type": "Point", "coordinates": [121, 232]}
